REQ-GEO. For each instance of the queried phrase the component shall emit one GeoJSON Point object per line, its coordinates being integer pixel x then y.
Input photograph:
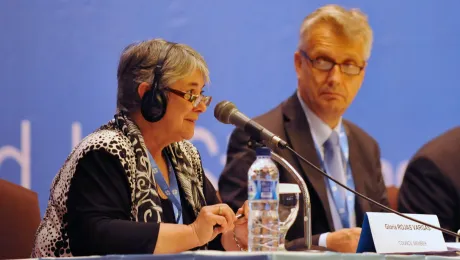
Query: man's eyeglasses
{"type": "Point", "coordinates": [327, 65]}
{"type": "Point", "coordinates": [194, 99]}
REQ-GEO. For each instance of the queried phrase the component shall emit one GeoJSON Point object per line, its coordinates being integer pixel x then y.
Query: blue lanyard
{"type": "Point", "coordinates": [172, 191]}
{"type": "Point", "coordinates": [349, 205]}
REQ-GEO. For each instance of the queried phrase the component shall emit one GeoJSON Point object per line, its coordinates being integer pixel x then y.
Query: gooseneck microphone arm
{"type": "Point", "coordinates": [227, 113]}
{"type": "Point", "coordinates": [305, 195]}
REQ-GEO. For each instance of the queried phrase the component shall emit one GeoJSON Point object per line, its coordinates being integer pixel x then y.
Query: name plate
{"type": "Point", "coordinates": [389, 233]}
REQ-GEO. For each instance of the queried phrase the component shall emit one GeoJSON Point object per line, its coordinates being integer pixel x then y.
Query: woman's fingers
{"type": "Point", "coordinates": [225, 211]}
{"type": "Point", "coordinates": [244, 210]}
{"type": "Point", "coordinates": [214, 219]}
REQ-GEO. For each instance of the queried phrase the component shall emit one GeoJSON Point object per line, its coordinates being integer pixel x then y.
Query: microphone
{"type": "Point", "coordinates": [227, 113]}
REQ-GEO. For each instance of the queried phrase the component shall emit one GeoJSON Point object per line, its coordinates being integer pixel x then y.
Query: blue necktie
{"type": "Point", "coordinates": [334, 167]}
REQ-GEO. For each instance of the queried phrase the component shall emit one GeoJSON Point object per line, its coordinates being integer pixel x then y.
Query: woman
{"type": "Point", "coordinates": [134, 186]}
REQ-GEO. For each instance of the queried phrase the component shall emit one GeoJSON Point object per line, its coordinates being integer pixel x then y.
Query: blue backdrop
{"type": "Point", "coordinates": [58, 64]}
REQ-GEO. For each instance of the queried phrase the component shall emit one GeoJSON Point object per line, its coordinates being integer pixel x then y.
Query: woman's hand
{"type": "Point", "coordinates": [241, 225]}
{"type": "Point", "coordinates": [209, 216]}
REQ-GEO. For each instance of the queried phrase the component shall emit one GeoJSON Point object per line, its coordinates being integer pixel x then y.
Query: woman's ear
{"type": "Point", "coordinates": [142, 88]}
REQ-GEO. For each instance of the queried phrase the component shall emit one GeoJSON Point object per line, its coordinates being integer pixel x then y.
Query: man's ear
{"type": "Point", "coordinates": [298, 63]}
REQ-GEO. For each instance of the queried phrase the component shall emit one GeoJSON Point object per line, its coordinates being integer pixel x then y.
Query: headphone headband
{"type": "Point", "coordinates": [157, 72]}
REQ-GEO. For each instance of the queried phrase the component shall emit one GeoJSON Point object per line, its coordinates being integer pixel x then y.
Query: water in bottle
{"type": "Point", "coordinates": [263, 224]}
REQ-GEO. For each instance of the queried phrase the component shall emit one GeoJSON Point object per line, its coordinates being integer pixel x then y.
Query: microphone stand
{"type": "Point", "coordinates": [303, 188]}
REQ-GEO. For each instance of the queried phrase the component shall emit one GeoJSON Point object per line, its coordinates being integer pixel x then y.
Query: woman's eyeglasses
{"type": "Point", "coordinates": [194, 99]}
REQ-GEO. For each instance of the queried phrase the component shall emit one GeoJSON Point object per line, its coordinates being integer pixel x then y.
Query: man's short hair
{"type": "Point", "coordinates": [352, 24]}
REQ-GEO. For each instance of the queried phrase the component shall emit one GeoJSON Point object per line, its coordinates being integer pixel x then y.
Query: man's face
{"type": "Point", "coordinates": [326, 88]}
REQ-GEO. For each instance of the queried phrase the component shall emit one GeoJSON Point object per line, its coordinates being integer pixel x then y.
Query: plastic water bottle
{"type": "Point", "coordinates": [263, 224]}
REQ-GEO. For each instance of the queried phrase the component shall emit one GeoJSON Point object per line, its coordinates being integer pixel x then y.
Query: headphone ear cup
{"type": "Point", "coordinates": [153, 106]}
{"type": "Point", "coordinates": [154, 101]}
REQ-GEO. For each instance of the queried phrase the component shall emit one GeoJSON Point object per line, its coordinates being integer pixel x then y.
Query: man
{"type": "Point", "coordinates": [431, 183]}
{"type": "Point", "coordinates": [330, 63]}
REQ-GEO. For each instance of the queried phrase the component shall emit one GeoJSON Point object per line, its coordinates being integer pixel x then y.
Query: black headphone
{"type": "Point", "coordinates": [154, 101]}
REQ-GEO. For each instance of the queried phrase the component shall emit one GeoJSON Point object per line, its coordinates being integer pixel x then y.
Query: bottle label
{"type": "Point", "coordinates": [263, 190]}
{"type": "Point", "coordinates": [252, 188]}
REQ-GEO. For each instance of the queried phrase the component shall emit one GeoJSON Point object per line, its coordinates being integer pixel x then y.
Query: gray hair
{"type": "Point", "coordinates": [351, 23]}
{"type": "Point", "coordinates": [138, 61]}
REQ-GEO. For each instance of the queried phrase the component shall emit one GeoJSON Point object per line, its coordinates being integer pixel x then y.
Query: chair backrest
{"type": "Point", "coordinates": [19, 220]}
{"type": "Point", "coordinates": [393, 197]}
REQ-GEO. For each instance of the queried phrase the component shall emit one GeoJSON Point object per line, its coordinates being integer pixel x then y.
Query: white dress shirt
{"type": "Point", "coordinates": [320, 132]}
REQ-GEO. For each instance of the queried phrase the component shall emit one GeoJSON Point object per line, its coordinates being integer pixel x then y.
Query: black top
{"type": "Point", "coordinates": [99, 210]}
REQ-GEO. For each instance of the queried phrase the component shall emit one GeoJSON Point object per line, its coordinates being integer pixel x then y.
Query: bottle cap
{"type": "Point", "coordinates": [263, 151]}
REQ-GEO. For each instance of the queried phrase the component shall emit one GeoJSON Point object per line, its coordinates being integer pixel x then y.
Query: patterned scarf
{"type": "Point", "coordinates": [187, 165]}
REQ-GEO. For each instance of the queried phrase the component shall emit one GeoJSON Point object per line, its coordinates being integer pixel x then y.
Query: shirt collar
{"type": "Point", "coordinates": [320, 131]}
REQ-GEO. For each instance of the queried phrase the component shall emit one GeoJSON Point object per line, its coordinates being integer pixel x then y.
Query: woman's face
{"type": "Point", "coordinates": [181, 116]}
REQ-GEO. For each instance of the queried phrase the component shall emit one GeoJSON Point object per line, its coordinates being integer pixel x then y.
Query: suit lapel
{"type": "Point", "coordinates": [298, 132]}
{"type": "Point", "coordinates": [358, 171]}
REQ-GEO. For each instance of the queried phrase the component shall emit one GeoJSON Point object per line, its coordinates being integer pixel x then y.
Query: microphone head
{"type": "Point", "coordinates": [223, 110]}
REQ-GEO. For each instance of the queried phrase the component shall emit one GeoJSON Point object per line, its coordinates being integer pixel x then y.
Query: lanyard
{"type": "Point", "coordinates": [172, 191]}
{"type": "Point", "coordinates": [348, 205]}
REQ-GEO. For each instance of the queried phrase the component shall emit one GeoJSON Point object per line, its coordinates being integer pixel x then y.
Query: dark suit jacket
{"type": "Point", "coordinates": [431, 184]}
{"type": "Point", "coordinates": [288, 121]}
